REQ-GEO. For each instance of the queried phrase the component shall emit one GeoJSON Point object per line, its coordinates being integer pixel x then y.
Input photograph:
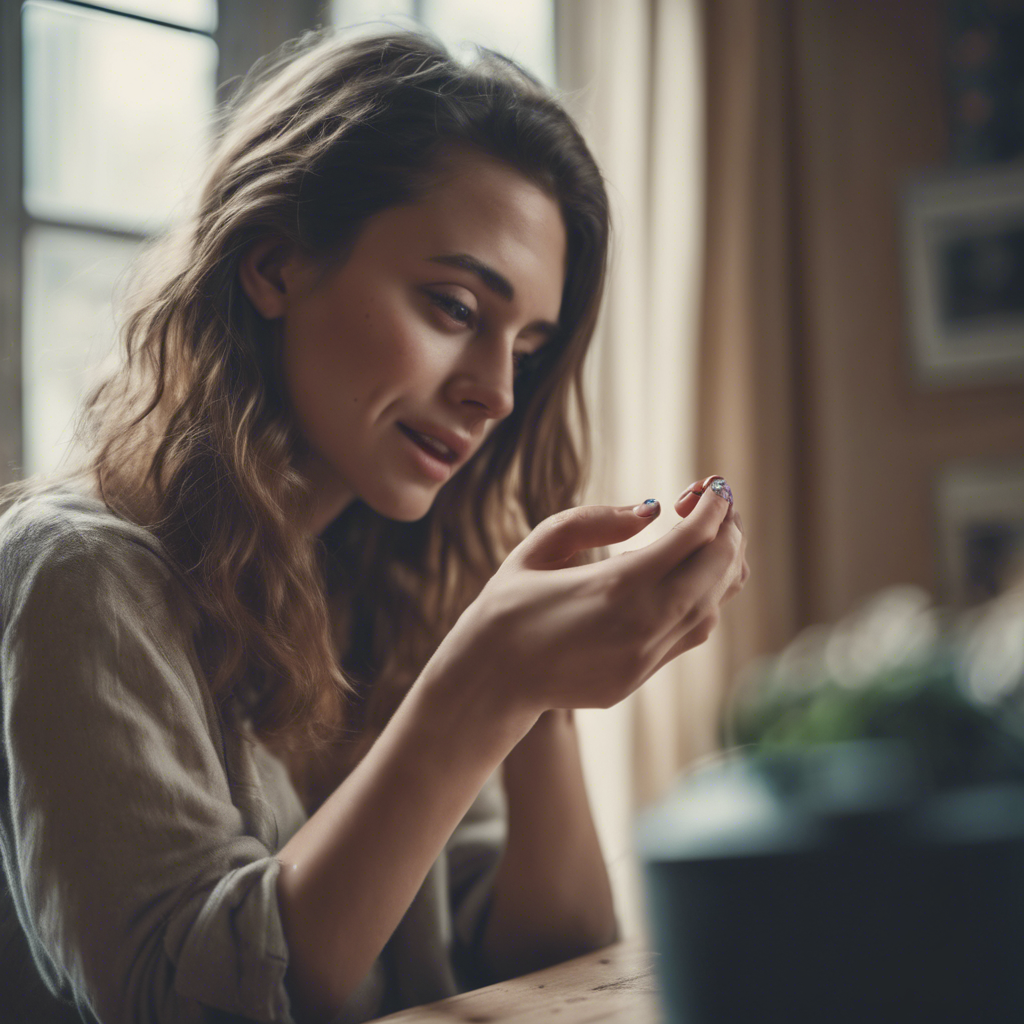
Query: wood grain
{"type": "Point", "coordinates": [616, 984]}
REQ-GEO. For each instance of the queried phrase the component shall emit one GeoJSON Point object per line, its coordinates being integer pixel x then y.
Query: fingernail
{"type": "Point", "coordinates": [648, 509]}
{"type": "Point", "coordinates": [721, 488]}
{"type": "Point", "coordinates": [695, 486]}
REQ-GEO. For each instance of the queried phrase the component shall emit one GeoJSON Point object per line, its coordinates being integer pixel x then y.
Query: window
{"type": "Point", "coordinates": [116, 102]}
{"type": "Point", "coordinates": [106, 113]}
{"type": "Point", "coordinates": [523, 30]}
{"type": "Point", "coordinates": [115, 108]}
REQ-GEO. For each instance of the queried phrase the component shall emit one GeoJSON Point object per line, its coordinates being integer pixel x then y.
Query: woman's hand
{"type": "Point", "coordinates": [548, 632]}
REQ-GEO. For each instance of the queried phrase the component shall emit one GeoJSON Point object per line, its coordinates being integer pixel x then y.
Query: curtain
{"type": "Point", "coordinates": [750, 363]}
{"type": "Point", "coordinates": [688, 107]}
{"type": "Point", "coordinates": [630, 73]}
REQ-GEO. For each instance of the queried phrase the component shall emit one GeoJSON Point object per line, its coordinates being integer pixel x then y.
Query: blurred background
{"type": "Point", "coordinates": [817, 287]}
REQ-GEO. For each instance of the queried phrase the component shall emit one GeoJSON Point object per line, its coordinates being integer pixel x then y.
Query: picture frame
{"type": "Point", "coordinates": [963, 238]}
{"type": "Point", "coordinates": [980, 511]}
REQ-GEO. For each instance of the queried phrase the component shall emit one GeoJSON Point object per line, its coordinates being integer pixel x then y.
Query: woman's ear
{"type": "Point", "coordinates": [267, 274]}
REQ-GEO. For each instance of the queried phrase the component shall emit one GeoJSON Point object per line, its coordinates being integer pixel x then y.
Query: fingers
{"type": "Point", "coordinates": [695, 591]}
{"type": "Point", "coordinates": [700, 527]}
{"type": "Point", "coordinates": [703, 579]}
{"type": "Point", "coordinates": [686, 501]}
{"type": "Point", "coordinates": [732, 516]}
{"type": "Point", "coordinates": [560, 537]}
{"type": "Point", "coordinates": [699, 566]}
{"type": "Point", "coordinates": [694, 638]}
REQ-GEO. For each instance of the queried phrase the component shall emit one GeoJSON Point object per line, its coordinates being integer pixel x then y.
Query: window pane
{"type": "Point", "coordinates": [116, 115]}
{"type": "Point", "coordinates": [200, 14]}
{"type": "Point", "coordinates": [357, 12]}
{"type": "Point", "coordinates": [523, 30]}
{"type": "Point", "coordinates": [68, 335]}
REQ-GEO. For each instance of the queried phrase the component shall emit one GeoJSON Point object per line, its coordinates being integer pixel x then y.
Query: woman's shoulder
{"type": "Point", "coordinates": [63, 531]}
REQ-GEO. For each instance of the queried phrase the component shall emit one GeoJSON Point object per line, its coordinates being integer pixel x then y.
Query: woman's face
{"type": "Point", "coordinates": [400, 361]}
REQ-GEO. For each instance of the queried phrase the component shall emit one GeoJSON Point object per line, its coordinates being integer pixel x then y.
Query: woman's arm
{"type": "Point", "coordinates": [349, 874]}
{"type": "Point", "coordinates": [543, 634]}
{"type": "Point", "coordinates": [552, 899]}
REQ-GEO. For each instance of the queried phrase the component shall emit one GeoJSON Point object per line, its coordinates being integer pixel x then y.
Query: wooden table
{"type": "Point", "coordinates": [614, 985]}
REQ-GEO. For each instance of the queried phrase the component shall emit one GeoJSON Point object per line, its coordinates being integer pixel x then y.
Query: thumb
{"type": "Point", "coordinates": [559, 538]}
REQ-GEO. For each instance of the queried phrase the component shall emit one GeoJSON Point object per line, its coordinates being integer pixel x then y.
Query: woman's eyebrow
{"type": "Point", "coordinates": [498, 284]}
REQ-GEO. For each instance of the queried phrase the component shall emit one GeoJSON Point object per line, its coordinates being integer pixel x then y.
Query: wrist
{"type": "Point", "coordinates": [547, 749]}
{"type": "Point", "coordinates": [557, 718]}
{"type": "Point", "coordinates": [470, 699]}
{"type": "Point", "coordinates": [552, 726]}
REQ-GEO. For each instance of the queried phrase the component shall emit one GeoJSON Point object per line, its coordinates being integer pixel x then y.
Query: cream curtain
{"type": "Point", "coordinates": [751, 411]}
{"type": "Point", "coordinates": [631, 73]}
{"type": "Point", "coordinates": [690, 106]}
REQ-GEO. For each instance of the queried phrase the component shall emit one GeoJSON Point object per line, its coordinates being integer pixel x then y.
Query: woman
{"type": "Point", "coordinates": [329, 514]}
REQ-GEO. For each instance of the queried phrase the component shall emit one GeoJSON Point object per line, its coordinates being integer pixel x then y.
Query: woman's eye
{"type": "Point", "coordinates": [457, 311]}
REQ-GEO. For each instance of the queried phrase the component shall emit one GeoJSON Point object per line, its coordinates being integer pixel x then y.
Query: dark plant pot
{"type": "Point", "coordinates": [828, 886]}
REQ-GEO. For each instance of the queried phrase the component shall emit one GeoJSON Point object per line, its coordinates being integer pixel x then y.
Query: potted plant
{"type": "Point", "coordinates": [858, 853]}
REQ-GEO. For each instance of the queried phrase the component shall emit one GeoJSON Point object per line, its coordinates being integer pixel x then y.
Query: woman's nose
{"type": "Point", "coordinates": [484, 379]}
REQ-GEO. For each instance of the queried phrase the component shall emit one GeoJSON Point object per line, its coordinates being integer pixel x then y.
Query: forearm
{"type": "Point", "coordinates": [552, 898]}
{"type": "Point", "coordinates": [349, 874]}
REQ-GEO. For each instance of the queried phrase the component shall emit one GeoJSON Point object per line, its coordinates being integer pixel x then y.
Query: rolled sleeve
{"type": "Point", "coordinates": [138, 880]}
{"type": "Point", "coordinates": [232, 954]}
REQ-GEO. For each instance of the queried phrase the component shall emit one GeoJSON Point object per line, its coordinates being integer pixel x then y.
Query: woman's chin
{"type": "Point", "coordinates": [405, 508]}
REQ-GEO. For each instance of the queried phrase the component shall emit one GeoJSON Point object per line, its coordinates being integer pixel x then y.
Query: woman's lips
{"type": "Point", "coordinates": [454, 441]}
{"type": "Point", "coordinates": [430, 444]}
{"type": "Point", "coordinates": [427, 460]}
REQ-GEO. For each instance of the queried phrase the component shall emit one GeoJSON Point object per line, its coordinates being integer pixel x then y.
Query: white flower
{"type": "Point", "coordinates": [897, 626]}
{"type": "Point", "coordinates": [992, 648]}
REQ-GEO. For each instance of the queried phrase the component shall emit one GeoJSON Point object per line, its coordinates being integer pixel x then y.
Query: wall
{"type": "Point", "coordinates": [871, 116]}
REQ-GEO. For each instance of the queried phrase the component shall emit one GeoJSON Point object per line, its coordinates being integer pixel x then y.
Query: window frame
{"type": "Point", "coordinates": [13, 225]}
{"type": "Point", "coordinates": [246, 29]}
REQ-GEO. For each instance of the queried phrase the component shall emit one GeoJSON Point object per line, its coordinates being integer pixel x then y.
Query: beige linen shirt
{"type": "Point", "coordinates": [137, 831]}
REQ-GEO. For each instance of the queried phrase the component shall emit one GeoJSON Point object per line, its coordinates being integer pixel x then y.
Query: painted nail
{"type": "Point", "coordinates": [648, 509]}
{"type": "Point", "coordinates": [716, 483]}
{"type": "Point", "coordinates": [697, 487]}
{"type": "Point", "coordinates": [721, 488]}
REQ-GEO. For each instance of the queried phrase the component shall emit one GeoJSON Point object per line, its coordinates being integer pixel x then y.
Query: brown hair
{"type": "Point", "coordinates": [315, 640]}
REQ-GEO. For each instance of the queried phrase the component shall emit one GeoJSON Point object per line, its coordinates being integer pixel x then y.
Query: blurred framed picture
{"type": "Point", "coordinates": [964, 267]}
{"type": "Point", "coordinates": [981, 530]}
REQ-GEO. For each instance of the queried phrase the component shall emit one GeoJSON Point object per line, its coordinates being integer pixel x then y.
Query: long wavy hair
{"type": "Point", "coordinates": [314, 641]}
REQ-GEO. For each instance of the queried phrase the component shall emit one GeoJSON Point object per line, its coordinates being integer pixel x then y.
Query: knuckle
{"type": "Point", "coordinates": [704, 609]}
{"type": "Point", "coordinates": [684, 607]}
{"type": "Point", "coordinates": [707, 534]}
{"type": "Point", "coordinates": [633, 661]}
{"type": "Point", "coordinates": [702, 532]}
{"type": "Point", "coordinates": [705, 628]}
{"type": "Point", "coordinates": [735, 541]}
